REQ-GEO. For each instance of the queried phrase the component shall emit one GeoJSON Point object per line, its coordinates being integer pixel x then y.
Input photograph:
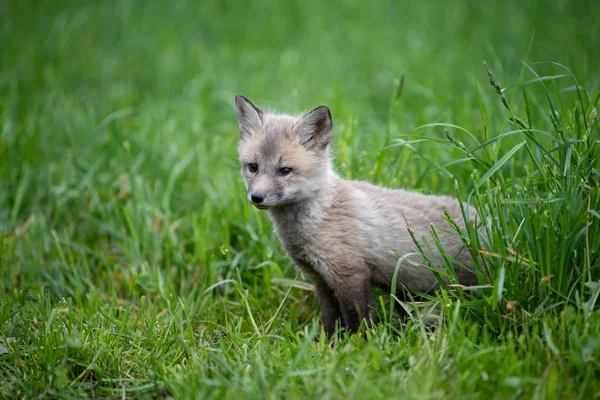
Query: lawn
{"type": "Point", "coordinates": [132, 266]}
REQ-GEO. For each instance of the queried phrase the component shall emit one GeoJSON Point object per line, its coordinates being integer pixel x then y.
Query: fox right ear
{"type": "Point", "coordinates": [315, 128]}
{"type": "Point", "coordinates": [249, 116]}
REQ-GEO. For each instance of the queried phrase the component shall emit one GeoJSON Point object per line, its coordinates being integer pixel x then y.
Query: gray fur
{"type": "Point", "coordinates": [344, 235]}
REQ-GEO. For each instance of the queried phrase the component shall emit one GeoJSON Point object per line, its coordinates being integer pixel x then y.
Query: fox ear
{"type": "Point", "coordinates": [249, 116]}
{"type": "Point", "coordinates": [315, 128]}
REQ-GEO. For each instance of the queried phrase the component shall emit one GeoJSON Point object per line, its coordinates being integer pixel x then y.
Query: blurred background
{"type": "Point", "coordinates": [119, 114]}
{"type": "Point", "coordinates": [118, 126]}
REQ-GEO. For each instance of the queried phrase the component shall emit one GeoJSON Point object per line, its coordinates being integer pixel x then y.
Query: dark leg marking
{"type": "Point", "coordinates": [355, 300]}
{"type": "Point", "coordinates": [330, 308]}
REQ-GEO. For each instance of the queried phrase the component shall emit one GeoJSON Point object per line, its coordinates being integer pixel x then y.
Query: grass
{"type": "Point", "coordinates": [132, 266]}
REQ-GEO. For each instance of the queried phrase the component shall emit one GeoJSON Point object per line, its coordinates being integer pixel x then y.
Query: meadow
{"type": "Point", "coordinates": [132, 266]}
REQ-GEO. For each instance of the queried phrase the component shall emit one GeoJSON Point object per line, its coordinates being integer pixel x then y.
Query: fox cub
{"type": "Point", "coordinates": [344, 235]}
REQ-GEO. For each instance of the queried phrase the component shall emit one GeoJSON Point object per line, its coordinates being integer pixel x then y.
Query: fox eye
{"type": "Point", "coordinates": [285, 171]}
{"type": "Point", "coordinates": [252, 167]}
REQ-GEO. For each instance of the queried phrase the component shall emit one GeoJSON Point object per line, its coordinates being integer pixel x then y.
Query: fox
{"type": "Point", "coordinates": [344, 235]}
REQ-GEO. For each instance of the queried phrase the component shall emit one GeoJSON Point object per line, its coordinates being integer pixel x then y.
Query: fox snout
{"type": "Point", "coordinates": [262, 192]}
{"type": "Point", "coordinates": [259, 200]}
{"type": "Point", "coordinates": [257, 197]}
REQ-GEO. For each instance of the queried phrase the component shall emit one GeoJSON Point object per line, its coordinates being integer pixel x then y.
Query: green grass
{"type": "Point", "coordinates": [131, 264]}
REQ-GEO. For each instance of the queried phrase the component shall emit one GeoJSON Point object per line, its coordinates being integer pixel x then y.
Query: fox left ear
{"type": "Point", "coordinates": [249, 116]}
{"type": "Point", "coordinates": [315, 128]}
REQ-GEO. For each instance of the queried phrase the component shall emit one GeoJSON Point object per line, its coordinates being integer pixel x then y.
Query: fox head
{"type": "Point", "coordinates": [284, 159]}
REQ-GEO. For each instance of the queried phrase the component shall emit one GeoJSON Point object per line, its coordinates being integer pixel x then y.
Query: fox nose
{"type": "Point", "coordinates": [257, 198]}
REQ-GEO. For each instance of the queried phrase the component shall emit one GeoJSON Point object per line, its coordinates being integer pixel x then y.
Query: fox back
{"type": "Point", "coordinates": [344, 235]}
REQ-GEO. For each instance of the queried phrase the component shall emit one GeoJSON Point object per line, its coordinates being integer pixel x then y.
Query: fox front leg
{"type": "Point", "coordinates": [330, 308]}
{"type": "Point", "coordinates": [354, 298]}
